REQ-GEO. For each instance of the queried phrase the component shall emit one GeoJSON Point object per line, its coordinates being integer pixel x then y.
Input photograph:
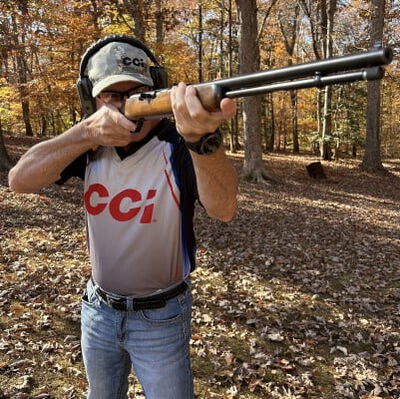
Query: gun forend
{"type": "Point", "coordinates": [156, 104]}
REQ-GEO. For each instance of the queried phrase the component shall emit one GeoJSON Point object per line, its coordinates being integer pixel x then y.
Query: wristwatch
{"type": "Point", "coordinates": [208, 144]}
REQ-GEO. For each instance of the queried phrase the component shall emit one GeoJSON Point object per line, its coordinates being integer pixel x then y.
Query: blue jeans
{"type": "Point", "coordinates": [155, 342]}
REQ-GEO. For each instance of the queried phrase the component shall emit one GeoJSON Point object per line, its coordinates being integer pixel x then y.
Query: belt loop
{"type": "Point", "coordinates": [93, 283]}
{"type": "Point", "coordinates": [94, 288]}
{"type": "Point", "coordinates": [129, 304]}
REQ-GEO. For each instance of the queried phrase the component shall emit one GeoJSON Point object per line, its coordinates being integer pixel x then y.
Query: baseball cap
{"type": "Point", "coordinates": [118, 62]}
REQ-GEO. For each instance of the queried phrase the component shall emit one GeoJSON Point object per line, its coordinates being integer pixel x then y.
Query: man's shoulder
{"type": "Point", "coordinates": [169, 133]}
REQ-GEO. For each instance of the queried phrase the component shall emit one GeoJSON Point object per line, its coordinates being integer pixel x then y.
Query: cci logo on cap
{"type": "Point", "coordinates": [139, 62]}
{"type": "Point", "coordinates": [118, 62]}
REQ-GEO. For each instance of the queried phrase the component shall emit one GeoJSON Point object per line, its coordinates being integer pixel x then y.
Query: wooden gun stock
{"type": "Point", "coordinates": [156, 104]}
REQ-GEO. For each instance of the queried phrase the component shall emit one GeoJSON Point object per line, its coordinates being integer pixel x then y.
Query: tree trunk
{"type": "Point", "coordinates": [95, 17]}
{"type": "Point", "coordinates": [326, 152]}
{"type": "Point", "coordinates": [313, 11]}
{"type": "Point", "coordinates": [221, 42]}
{"type": "Point", "coordinates": [269, 123]}
{"type": "Point", "coordinates": [272, 135]}
{"type": "Point", "coordinates": [250, 62]}
{"type": "Point", "coordinates": [354, 151]}
{"type": "Point", "coordinates": [5, 160]}
{"type": "Point", "coordinates": [307, 9]}
{"type": "Point", "coordinates": [325, 147]}
{"type": "Point", "coordinates": [200, 41]}
{"type": "Point", "coordinates": [43, 127]}
{"type": "Point", "coordinates": [159, 23]}
{"type": "Point", "coordinates": [288, 23]}
{"type": "Point", "coordinates": [295, 124]}
{"type": "Point", "coordinates": [135, 9]}
{"type": "Point", "coordinates": [372, 156]}
{"type": "Point", "coordinates": [22, 68]}
{"type": "Point", "coordinates": [234, 121]}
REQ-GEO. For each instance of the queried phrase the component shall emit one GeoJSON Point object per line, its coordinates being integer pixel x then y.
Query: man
{"type": "Point", "coordinates": [140, 185]}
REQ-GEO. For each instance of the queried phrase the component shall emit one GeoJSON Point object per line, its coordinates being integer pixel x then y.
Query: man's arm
{"type": "Point", "coordinates": [216, 177]}
{"type": "Point", "coordinates": [217, 184]}
{"type": "Point", "coordinates": [42, 164]}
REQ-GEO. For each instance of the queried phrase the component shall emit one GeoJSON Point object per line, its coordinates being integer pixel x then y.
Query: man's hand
{"type": "Point", "coordinates": [108, 127]}
{"type": "Point", "coordinates": [43, 163]}
{"type": "Point", "coordinates": [192, 120]}
{"type": "Point", "coordinates": [216, 178]}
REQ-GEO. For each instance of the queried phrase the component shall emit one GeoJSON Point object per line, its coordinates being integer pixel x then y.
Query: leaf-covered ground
{"type": "Point", "coordinates": [298, 297]}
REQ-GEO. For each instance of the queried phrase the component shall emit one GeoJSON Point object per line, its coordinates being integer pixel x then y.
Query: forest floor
{"type": "Point", "coordinates": [297, 297]}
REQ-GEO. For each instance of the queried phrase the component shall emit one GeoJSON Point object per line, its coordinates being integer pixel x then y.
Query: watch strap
{"type": "Point", "coordinates": [207, 144]}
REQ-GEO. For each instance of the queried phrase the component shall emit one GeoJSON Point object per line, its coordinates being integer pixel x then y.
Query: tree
{"type": "Point", "coordinates": [5, 161]}
{"type": "Point", "coordinates": [328, 11]}
{"type": "Point", "coordinates": [249, 56]}
{"type": "Point", "coordinates": [135, 10]}
{"type": "Point", "coordinates": [159, 22]}
{"type": "Point", "coordinates": [7, 112]}
{"type": "Point", "coordinates": [311, 10]}
{"type": "Point", "coordinates": [372, 157]}
{"type": "Point", "coordinates": [289, 26]}
{"type": "Point", "coordinates": [19, 16]}
{"type": "Point", "coordinates": [200, 41]}
{"type": "Point", "coordinates": [320, 15]}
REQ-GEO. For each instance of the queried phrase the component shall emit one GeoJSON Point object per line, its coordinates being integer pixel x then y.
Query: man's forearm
{"type": "Point", "coordinates": [217, 184]}
{"type": "Point", "coordinates": [42, 164]}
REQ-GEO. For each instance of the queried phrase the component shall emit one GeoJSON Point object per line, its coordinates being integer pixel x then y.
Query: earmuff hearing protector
{"type": "Point", "coordinates": [84, 85]}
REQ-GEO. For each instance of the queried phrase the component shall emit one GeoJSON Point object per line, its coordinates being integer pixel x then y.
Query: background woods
{"type": "Point", "coordinates": [41, 44]}
{"type": "Point", "coordinates": [298, 297]}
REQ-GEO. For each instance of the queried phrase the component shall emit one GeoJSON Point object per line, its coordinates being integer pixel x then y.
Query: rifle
{"type": "Point", "coordinates": [338, 70]}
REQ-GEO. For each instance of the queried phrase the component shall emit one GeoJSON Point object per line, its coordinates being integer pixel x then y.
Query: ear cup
{"type": "Point", "coordinates": [88, 103]}
{"type": "Point", "coordinates": [84, 85]}
{"type": "Point", "coordinates": [160, 77]}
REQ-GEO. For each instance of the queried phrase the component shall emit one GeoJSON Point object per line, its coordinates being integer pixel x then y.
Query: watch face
{"type": "Point", "coordinates": [211, 143]}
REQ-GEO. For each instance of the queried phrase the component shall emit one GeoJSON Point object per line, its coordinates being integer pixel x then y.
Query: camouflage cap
{"type": "Point", "coordinates": [118, 62]}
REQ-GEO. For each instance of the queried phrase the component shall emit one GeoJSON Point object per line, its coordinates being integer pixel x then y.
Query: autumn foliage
{"type": "Point", "coordinates": [42, 43]}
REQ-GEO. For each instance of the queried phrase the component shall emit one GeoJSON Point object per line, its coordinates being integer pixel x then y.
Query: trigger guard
{"type": "Point", "coordinates": [139, 125]}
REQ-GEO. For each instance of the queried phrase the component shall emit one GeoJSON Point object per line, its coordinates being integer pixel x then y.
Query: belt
{"type": "Point", "coordinates": [150, 302]}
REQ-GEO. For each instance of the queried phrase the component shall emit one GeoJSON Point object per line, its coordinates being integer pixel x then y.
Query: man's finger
{"type": "Point", "coordinates": [228, 107]}
{"type": "Point", "coordinates": [120, 119]}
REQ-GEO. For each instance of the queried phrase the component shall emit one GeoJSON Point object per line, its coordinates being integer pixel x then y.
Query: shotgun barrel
{"type": "Point", "coordinates": [367, 59]}
{"type": "Point", "coordinates": [373, 73]}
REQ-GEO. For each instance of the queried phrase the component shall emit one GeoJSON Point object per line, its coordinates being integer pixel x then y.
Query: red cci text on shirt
{"type": "Point", "coordinates": [114, 205]}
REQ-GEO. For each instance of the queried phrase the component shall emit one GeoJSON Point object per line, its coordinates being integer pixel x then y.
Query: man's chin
{"type": "Point", "coordinates": [143, 128]}
{"type": "Point", "coordinates": [139, 135]}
